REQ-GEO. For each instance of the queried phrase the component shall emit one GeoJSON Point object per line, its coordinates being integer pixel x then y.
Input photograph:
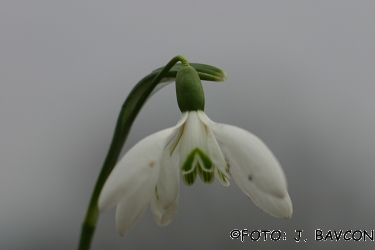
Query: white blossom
{"type": "Point", "coordinates": [149, 173]}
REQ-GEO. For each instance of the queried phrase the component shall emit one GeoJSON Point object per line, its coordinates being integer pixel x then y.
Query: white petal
{"type": "Point", "coordinates": [194, 136]}
{"type": "Point", "coordinates": [163, 216]}
{"type": "Point", "coordinates": [193, 143]}
{"type": "Point", "coordinates": [164, 203]}
{"type": "Point", "coordinates": [138, 169]}
{"type": "Point", "coordinates": [132, 181]}
{"type": "Point", "coordinates": [216, 155]}
{"type": "Point", "coordinates": [255, 169]}
{"type": "Point", "coordinates": [129, 210]}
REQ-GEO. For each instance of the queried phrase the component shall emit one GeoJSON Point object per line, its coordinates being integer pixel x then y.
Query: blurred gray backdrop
{"type": "Point", "coordinates": [301, 76]}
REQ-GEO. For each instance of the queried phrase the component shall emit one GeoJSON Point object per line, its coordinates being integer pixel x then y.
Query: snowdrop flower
{"type": "Point", "coordinates": [150, 172]}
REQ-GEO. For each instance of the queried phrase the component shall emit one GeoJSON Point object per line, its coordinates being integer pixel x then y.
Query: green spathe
{"type": "Point", "coordinates": [189, 91]}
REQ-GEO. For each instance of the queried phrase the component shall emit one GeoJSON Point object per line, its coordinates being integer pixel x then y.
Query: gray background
{"type": "Point", "coordinates": [301, 76]}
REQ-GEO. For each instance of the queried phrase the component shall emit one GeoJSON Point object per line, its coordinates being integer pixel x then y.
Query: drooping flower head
{"type": "Point", "coordinates": [150, 172]}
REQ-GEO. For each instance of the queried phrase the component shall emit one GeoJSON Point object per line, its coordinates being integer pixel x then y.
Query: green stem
{"type": "Point", "coordinates": [128, 113]}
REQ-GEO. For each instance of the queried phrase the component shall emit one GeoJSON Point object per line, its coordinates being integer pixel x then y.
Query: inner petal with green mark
{"type": "Point", "coordinates": [197, 162]}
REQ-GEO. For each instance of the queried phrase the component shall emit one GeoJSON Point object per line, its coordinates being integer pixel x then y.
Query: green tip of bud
{"type": "Point", "coordinates": [189, 90]}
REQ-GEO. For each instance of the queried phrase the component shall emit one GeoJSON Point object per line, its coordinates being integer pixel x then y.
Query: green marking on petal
{"type": "Point", "coordinates": [176, 140]}
{"type": "Point", "coordinates": [207, 163]}
{"type": "Point", "coordinates": [189, 178]}
{"type": "Point", "coordinates": [206, 177]}
{"type": "Point", "coordinates": [156, 192]}
{"type": "Point", "coordinates": [188, 165]}
{"type": "Point", "coordinates": [222, 176]}
{"type": "Point", "coordinates": [197, 162]}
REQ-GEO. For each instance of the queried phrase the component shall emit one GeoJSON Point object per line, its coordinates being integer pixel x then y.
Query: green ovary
{"type": "Point", "coordinates": [189, 90]}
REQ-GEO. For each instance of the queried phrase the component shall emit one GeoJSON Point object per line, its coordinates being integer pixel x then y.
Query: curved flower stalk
{"type": "Point", "coordinates": [149, 173]}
